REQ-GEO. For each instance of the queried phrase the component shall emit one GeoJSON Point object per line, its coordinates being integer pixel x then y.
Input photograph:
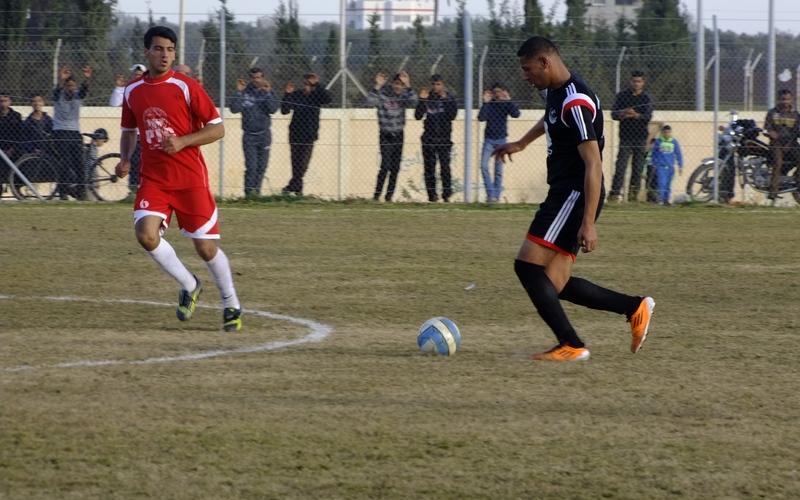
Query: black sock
{"type": "Point", "coordinates": [585, 293]}
{"type": "Point", "coordinates": [545, 298]}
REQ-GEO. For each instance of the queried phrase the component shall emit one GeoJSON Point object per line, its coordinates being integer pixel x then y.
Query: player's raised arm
{"type": "Point", "coordinates": [508, 149]}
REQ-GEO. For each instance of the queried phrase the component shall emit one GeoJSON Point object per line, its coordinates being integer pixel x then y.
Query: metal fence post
{"type": "Point", "coordinates": [468, 45]}
{"type": "Point", "coordinates": [716, 110]}
{"type": "Point", "coordinates": [222, 49]}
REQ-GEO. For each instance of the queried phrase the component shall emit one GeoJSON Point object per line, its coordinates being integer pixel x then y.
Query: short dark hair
{"type": "Point", "coordinates": [436, 78]}
{"type": "Point", "coordinates": [161, 31]}
{"type": "Point", "coordinates": [637, 73]}
{"type": "Point", "coordinates": [536, 45]}
{"type": "Point", "coordinates": [397, 78]}
{"type": "Point", "coordinates": [499, 85]}
{"type": "Point", "coordinates": [5, 94]}
{"type": "Point", "coordinates": [781, 92]}
{"type": "Point", "coordinates": [255, 70]}
{"type": "Point", "coordinates": [666, 127]}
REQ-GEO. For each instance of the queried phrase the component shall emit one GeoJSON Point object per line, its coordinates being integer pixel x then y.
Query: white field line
{"type": "Point", "coordinates": [318, 333]}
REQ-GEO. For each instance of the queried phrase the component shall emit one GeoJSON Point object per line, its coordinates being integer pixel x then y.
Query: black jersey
{"type": "Point", "coordinates": [572, 116]}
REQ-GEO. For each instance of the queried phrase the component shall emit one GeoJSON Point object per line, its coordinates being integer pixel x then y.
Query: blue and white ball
{"type": "Point", "coordinates": [439, 336]}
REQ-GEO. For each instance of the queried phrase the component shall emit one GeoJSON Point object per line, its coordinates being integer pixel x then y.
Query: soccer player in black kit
{"type": "Point", "coordinates": [565, 221]}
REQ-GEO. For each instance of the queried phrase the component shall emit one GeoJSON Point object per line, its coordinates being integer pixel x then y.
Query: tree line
{"type": "Point", "coordinates": [658, 41]}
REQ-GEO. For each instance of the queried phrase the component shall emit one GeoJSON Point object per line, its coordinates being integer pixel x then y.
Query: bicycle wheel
{"type": "Point", "coordinates": [701, 183]}
{"type": "Point", "coordinates": [104, 183]}
{"type": "Point", "coordinates": [39, 171]}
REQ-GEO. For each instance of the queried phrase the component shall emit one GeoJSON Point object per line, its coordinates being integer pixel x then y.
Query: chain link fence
{"type": "Point", "coordinates": [334, 142]}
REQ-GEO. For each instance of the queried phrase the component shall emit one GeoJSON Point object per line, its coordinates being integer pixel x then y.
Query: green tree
{"type": "Point", "coordinates": [288, 44]}
{"type": "Point", "coordinates": [575, 22]}
{"type": "Point", "coordinates": [664, 53]}
{"type": "Point", "coordinates": [330, 61]}
{"type": "Point", "coordinates": [374, 48]}
{"type": "Point", "coordinates": [534, 18]}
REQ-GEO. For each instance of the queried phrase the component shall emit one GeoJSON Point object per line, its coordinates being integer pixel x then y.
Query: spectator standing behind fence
{"type": "Point", "coordinates": [11, 136]}
{"type": "Point", "coordinates": [256, 101]}
{"type": "Point", "coordinates": [391, 100]}
{"type": "Point", "coordinates": [666, 153]}
{"type": "Point", "coordinates": [633, 108]}
{"type": "Point", "coordinates": [783, 127]}
{"type": "Point", "coordinates": [38, 125]}
{"type": "Point", "coordinates": [439, 109]}
{"type": "Point", "coordinates": [497, 107]}
{"type": "Point", "coordinates": [137, 71]}
{"type": "Point", "coordinates": [67, 101]}
{"type": "Point", "coordinates": [305, 104]}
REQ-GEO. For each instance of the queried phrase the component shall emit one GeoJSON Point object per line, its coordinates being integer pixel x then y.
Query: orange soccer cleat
{"type": "Point", "coordinates": [640, 323]}
{"type": "Point", "coordinates": [562, 353]}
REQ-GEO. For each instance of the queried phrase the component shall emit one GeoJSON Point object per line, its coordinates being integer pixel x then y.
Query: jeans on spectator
{"type": "Point", "coordinates": [636, 152]}
{"type": "Point", "coordinates": [493, 184]}
{"type": "Point", "coordinates": [391, 155]}
{"type": "Point", "coordinates": [256, 156]}
{"type": "Point", "coordinates": [301, 156]}
{"type": "Point", "coordinates": [72, 175]}
{"type": "Point", "coordinates": [430, 153]}
{"type": "Point", "coordinates": [664, 174]}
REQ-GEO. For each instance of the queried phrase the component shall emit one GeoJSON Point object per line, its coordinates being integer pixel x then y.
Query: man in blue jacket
{"type": "Point", "coordinates": [439, 109]}
{"type": "Point", "coordinates": [497, 107]}
{"type": "Point", "coordinates": [256, 101]}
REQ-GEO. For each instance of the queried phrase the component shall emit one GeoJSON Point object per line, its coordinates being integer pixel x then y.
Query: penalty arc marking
{"type": "Point", "coordinates": [317, 333]}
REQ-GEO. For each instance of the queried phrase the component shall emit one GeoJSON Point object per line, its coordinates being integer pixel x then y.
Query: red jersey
{"type": "Point", "coordinates": [172, 104]}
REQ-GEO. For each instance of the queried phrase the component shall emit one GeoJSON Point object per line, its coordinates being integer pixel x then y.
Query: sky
{"type": "Point", "coordinates": [743, 16]}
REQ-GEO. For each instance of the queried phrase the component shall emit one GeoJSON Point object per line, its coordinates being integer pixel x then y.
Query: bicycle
{"type": "Point", "coordinates": [41, 169]}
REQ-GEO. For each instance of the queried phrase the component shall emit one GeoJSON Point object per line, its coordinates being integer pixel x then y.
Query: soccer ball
{"type": "Point", "coordinates": [439, 336]}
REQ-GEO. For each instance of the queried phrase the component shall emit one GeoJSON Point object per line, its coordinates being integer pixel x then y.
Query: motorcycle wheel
{"type": "Point", "coordinates": [701, 183]}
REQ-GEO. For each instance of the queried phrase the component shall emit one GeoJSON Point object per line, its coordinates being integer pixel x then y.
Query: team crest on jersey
{"type": "Point", "coordinates": [552, 116]}
{"type": "Point", "coordinates": [156, 127]}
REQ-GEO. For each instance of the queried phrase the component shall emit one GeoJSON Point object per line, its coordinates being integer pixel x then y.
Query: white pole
{"type": "Point", "coordinates": [468, 46]}
{"type": "Point", "coordinates": [56, 54]}
{"type": "Point", "coordinates": [222, 96]}
{"type": "Point", "coordinates": [716, 111]}
{"type": "Point", "coordinates": [700, 57]}
{"type": "Point", "coordinates": [181, 34]}
{"type": "Point", "coordinates": [771, 57]}
{"type": "Point", "coordinates": [342, 118]}
{"type": "Point", "coordinates": [746, 68]}
{"type": "Point", "coordinates": [619, 67]}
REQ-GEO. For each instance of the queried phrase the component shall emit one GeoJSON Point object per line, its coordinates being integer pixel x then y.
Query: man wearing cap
{"type": "Point", "coordinates": [117, 95]}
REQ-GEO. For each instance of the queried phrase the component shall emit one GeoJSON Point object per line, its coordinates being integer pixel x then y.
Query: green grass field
{"type": "Point", "coordinates": [708, 409]}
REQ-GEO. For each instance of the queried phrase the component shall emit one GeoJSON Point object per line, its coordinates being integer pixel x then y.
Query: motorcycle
{"type": "Point", "coordinates": [743, 156]}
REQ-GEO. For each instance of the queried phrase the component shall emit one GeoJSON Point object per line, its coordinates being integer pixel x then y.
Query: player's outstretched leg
{"type": "Point", "coordinates": [638, 310]}
{"type": "Point", "coordinates": [545, 298]}
{"type": "Point", "coordinates": [187, 301]}
{"type": "Point", "coordinates": [220, 269]}
{"type": "Point", "coordinates": [640, 323]}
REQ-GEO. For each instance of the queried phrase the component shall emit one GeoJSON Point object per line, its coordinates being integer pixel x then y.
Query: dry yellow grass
{"type": "Point", "coordinates": [708, 409]}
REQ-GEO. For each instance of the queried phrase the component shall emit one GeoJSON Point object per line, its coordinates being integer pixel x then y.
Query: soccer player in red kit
{"type": "Point", "coordinates": [175, 116]}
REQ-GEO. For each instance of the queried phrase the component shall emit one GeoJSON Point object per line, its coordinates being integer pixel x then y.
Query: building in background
{"type": "Point", "coordinates": [393, 13]}
{"type": "Point", "coordinates": [609, 11]}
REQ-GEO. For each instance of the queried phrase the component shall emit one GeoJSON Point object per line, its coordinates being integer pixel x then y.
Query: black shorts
{"type": "Point", "coordinates": [558, 220]}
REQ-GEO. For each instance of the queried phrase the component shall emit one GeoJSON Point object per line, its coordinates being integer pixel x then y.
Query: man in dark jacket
{"type": "Point", "coordinates": [391, 100]}
{"type": "Point", "coordinates": [439, 109]}
{"type": "Point", "coordinates": [304, 126]}
{"type": "Point", "coordinates": [633, 108]}
{"type": "Point", "coordinates": [256, 101]}
{"type": "Point", "coordinates": [11, 136]}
